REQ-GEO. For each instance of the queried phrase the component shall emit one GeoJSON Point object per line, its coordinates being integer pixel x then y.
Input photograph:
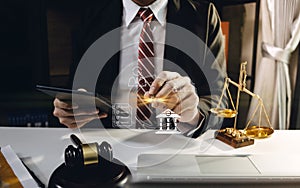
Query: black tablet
{"type": "Point", "coordinates": [83, 98]}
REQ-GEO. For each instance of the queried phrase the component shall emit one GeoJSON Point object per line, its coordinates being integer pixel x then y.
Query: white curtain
{"type": "Point", "coordinates": [280, 37]}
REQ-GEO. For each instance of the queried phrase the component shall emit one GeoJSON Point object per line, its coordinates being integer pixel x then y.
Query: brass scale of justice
{"type": "Point", "coordinates": [232, 136]}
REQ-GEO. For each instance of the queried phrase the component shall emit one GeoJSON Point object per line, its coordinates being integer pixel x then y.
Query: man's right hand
{"type": "Point", "coordinates": [66, 113]}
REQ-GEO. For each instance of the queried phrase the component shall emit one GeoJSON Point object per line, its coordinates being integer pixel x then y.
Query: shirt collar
{"type": "Point", "coordinates": [158, 7]}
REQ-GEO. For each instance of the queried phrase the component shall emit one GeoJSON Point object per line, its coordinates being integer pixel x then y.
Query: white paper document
{"type": "Point", "coordinates": [18, 168]}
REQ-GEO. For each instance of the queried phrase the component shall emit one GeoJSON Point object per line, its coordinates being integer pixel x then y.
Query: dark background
{"type": "Point", "coordinates": [36, 48]}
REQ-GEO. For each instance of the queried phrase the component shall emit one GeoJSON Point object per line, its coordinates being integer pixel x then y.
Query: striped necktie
{"type": "Point", "coordinates": [145, 67]}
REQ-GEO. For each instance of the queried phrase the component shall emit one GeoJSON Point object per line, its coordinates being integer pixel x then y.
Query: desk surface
{"type": "Point", "coordinates": [43, 148]}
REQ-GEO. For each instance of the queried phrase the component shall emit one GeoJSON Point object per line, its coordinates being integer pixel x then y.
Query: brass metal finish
{"type": "Point", "coordinates": [232, 136]}
{"type": "Point", "coordinates": [90, 153]}
{"type": "Point", "coordinates": [258, 131]}
{"type": "Point", "coordinates": [226, 113]}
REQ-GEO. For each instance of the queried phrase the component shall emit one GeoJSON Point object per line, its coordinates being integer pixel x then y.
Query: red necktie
{"type": "Point", "coordinates": [145, 66]}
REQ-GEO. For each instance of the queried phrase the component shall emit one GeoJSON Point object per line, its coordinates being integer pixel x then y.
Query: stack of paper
{"type": "Point", "coordinates": [13, 173]}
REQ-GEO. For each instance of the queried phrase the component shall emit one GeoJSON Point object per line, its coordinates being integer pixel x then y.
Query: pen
{"type": "Point", "coordinates": [152, 95]}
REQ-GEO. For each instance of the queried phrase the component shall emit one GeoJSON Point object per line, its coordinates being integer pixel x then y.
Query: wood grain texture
{"type": "Point", "coordinates": [7, 175]}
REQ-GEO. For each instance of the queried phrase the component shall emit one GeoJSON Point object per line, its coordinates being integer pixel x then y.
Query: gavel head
{"type": "Point", "coordinates": [87, 154]}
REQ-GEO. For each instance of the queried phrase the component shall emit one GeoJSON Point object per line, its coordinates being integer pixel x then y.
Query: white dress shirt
{"type": "Point", "coordinates": [125, 89]}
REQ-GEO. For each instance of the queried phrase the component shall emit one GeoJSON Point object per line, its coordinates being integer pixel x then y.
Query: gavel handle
{"type": "Point", "coordinates": [75, 140]}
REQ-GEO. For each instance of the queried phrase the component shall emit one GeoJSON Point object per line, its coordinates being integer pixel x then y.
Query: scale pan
{"type": "Point", "coordinates": [258, 131]}
{"type": "Point", "coordinates": [226, 113]}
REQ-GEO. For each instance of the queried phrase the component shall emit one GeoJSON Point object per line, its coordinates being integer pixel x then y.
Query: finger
{"type": "Point", "coordinates": [147, 98]}
{"type": "Point", "coordinates": [67, 121]}
{"type": "Point", "coordinates": [102, 115]}
{"type": "Point", "coordinates": [76, 125]}
{"type": "Point", "coordinates": [173, 101]}
{"type": "Point", "coordinates": [73, 126]}
{"type": "Point", "coordinates": [147, 95]}
{"type": "Point", "coordinates": [159, 105]}
{"type": "Point", "coordinates": [173, 86]}
{"type": "Point", "coordinates": [169, 101]}
{"type": "Point", "coordinates": [58, 112]}
{"type": "Point", "coordinates": [85, 118]}
{"type": "Point", "coordinates": [185, 96]}
{"type": "Point", "coordinates": [64, 105]}
{"type": "Point", "coordinates": [168, 88]}
{"type": "Point", "coordinates": [79, 120]}
{"type": "Point", "coordinates": [85, 112]}
{"type": "Point", "coordinates": [161, 79]}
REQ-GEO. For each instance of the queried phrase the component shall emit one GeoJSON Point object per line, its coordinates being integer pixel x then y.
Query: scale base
{"type": "Point", "coordinates": [233, 137]}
